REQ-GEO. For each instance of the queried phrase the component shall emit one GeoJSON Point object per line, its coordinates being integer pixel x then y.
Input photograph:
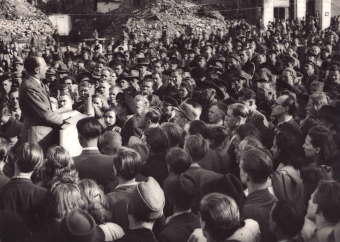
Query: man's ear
{"type": "Point", "coordinates": [37, 70]}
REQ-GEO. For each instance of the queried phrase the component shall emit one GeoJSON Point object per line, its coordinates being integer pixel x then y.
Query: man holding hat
{"type": "Point", "coordinates": [145, 207]}
{"type": "Point", "coordinates": [183, 222]}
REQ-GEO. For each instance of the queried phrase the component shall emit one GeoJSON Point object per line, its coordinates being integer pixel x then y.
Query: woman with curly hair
{"type": "Point", "coordinates": [97, 208]}
{"type": "Point", "coordinates": [58, 162]}
{"type": "Point", "coordinates": [319, 144]}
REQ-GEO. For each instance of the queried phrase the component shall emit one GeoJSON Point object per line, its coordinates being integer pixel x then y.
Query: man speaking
{"type": "Point", "coordinates": [41, 124]}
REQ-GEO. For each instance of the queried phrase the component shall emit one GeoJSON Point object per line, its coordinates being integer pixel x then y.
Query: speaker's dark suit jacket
{"type": "Point", "coordinates": [91, 164]}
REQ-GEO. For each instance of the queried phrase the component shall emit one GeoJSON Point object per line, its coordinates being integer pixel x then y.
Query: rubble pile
{"type": "Point", "coordinates": [155, 17]}
{"type": "Point", "coordinates": [19, 19]}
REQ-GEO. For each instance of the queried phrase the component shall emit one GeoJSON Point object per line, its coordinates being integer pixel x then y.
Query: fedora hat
{"type": "Point", "coordinates": [216, 65]}
{"type": "Point", "coordinates": [79, 226]}
{"type": "Point", "coordinates": [62, 69]}
{"type": "Point", "coordinates": [188, 111]}
{"type": "Point", "coordinates": [239, 74]}
{"type": "Point", "coordinates": [170, 101]}
{"type": "Point", "coordinates": [209, 84]}
{"type": "Point", "coordinates": [143, 62]}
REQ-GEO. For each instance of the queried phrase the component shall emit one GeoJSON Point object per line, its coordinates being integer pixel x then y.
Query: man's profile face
{"type": "Point", "coordinates": [42, 68]}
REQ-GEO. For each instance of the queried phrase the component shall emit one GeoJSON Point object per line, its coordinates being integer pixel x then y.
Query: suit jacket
{"type": "Point", "coordinates": [40, 122]}
{"type": "Point", "coordinates": [138, 235]}
{"type": "Point", "coordinates": [130, 129]}
{"type": "Point", "coordinates": [213, 161]}
{"type": "Point", "coordinates": [21, 196]}
{"type": "Point", "coordinates": [179, 228]}
{"type": "Point", "coordinates": [91, 164]}
{"type": "Point", "coordinates": [117, 202]}
{"type": "Point", "coordinates": [290, 126]}
{"type": "Point", "coordinates": [258, 206]}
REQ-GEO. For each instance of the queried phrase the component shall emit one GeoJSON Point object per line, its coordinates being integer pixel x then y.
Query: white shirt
{"type": "Point", "coordinates": [90, 148]}
{"type": "Point", "coordinates": [284, 121]}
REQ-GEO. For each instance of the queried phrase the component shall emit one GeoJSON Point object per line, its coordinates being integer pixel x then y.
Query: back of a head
{"type": "Point", "coordinates": [199, 127]}
{"type": "Point", "coordinates": [290, 102]}
{"type": "Point", "coordinates": [31, 63]}
{"type": "Point", "coordinates": [253, 141]}
{"type": "Point", "coordinates": [247, 94]}
{"type": "Point", "coordinates": [127, 162]}
{"type": "Point", "coordinates": [58, 160]}
{"type": "Point", "coordinates": [178, 160]}
{"type": "Point", "coordinates": [288, 217]}
{"type": "Point", "coordinates": [196, 146]}
{"type": "Point", "coordinates": [248, 129]}
{"type": "Point", "coordinates": [257, 164]}
{"type": "Point", "coordinates": [96, 200]}
{"type": "Point", "coordinates": [64, 196]}
{"type": "Point", "coordinates": [157, 139]}
{"type": "Point", "coordinates": [217, 134]}
{"type": "Point", "coordinates": [29, 157]}
{"type": "Point", "coordinates": [89, 128]}
{"type": "Point", "coordinates": [289, 153]}
{"type": "Point", "coordinates": [174, 133]}
{"type": "Point", "coordinates": [152, 115]}
{"type": "Point", "coordinates": [327, 198]}
{"type": "Point", "coordinates": [109, 142]}
{"type": "Point", "coordinates": [220, 214]}
{"type": "Point", "coordinates": [322, 137]}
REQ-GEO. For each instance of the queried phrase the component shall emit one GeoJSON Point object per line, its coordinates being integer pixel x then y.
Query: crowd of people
{"type": "Point", "coordinates": [228, 136]}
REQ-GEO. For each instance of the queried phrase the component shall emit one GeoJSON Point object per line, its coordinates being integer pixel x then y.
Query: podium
{"type": "Point", "coordinates": [68, 135]}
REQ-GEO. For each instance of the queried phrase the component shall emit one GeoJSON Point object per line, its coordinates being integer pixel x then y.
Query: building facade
{"type": "Point", "coordinates": [297, 9]}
